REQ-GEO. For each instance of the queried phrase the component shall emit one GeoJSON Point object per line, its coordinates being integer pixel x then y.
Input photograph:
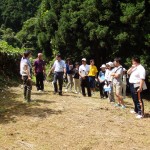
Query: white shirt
{"type": "Point", "coordinates": [23, 64]}
{"type": "Point", "coordinates": [137, 74]}
{"type": "Point", "coordinates": [59, 66]}
{"type": "Point", "coordinates": [84, 70]}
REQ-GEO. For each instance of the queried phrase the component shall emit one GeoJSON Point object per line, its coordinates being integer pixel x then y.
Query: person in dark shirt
{"type": "Point", "coordinates": [39, 71]}
{"type": "Point", "coordinates": [69, 71]}
{"type": "Point", "coordinates": [76, 79]}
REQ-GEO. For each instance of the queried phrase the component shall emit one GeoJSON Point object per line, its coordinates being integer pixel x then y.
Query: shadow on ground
{"type": "Point", "coordinates": [11, 107]}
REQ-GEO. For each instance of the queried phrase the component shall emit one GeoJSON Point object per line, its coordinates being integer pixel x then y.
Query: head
{"type": "Point", "coordinates": [135, 60]}
{"type": "Point", "coordinates": [40, 55]}
{"type": "Point", "coordinates": [110, 65]}
{"type": "Point", "coordinates": [77, 65]}
{"type": "Point", "coordinates": [58, 57]}
{"type": "Point", "coordinates": [117, 62]}
{"type": "Point", "coordinates": [103, 67]}
{"type": "Point", "coordinates": [68, 61]}
{"type": "Point", "coordinates": [84, 61]}
{"type": "Point", "coordinates": [27, 54]}
{"type": "Point", "coordinates": [92, 62]}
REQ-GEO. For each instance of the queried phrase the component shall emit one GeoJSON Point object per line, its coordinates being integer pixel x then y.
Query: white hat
{"type": "Point", "coordinates": [111, 64]}
{"type": "Point", "coordinates": [103, 66]}
{"type": "Point", "coordinates": [83, 59]}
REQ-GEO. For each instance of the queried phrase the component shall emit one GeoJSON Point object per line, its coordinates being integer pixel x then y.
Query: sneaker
{"type": "Point", "coordinates": [132, 112]}
{"type": "Point", "coordinates": [76, 92]}
{"type": "Point", "coordinates": [117, 105]}
{"type": "Point", "coordinates": [139, 116]}
{"type": "Point", "coordinates": [40, 90]}
{"type": "Point", "coordinates": [123, 106]}
{"type": "Point", "coordinates": [66, 90]}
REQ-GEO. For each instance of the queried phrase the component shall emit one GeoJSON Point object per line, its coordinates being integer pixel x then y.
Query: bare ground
{"type": "Point", "coordinates": [69, 122]}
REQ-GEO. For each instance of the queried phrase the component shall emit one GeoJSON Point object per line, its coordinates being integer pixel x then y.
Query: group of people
{"type": "Point", "coordinates": [111, 79]}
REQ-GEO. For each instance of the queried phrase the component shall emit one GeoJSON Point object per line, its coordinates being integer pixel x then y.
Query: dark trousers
{"type": "Point", "coordinates": [137, 100]}
{"type": "Point", "coordinates": [101, 89]}
{"type": "Point", "coordinates": [40, 81]}
{"type": "Point", "coordinates": [85, 84]}
{"type": "Point", "coordinates": [27, 87]}
{"type": "Point", "coordinates": [58, 76]}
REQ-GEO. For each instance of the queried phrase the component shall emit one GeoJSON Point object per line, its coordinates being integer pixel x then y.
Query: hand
{"type": "Point", "coordinates": [35, 73]}
{"type": "Point", "coordinates": [29, 78]}
{"type": "Point", "coordinates": [139, 89]}
{"type": "Point", "coordinates": [113, 74]}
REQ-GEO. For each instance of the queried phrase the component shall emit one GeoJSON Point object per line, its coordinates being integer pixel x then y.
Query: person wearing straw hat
{"type": "Point", "coordinates": [83, 72]}
{"type": "Point", "coordinates": [101, 78]}
{"type": "Point", "coordinates": [108, 77]}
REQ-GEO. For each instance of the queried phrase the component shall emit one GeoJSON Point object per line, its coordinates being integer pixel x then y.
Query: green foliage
{"type": "Point", "coordinates": [9, 49]}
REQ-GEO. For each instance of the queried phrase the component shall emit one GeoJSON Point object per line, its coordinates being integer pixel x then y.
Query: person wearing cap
{"type": "Point", "coordinates": [124, 83]}
{"type": "Point", "coordinates": [92, 75]}
{"type": "Point", "coordinates": [101, 78]}
{"type": "Point", "coordinates": [109, 78]}
{"type": "Point", "coordinates": [39, 72]}
{"type": "Point", "coordinates": [76, 80]}
{"type": "Point", "coordinates": [117, 74]}
{"type": "Point", "coordinates": [137, 85]}
{"type": "Point", "coordinates": [25, 71]}
{"type": "Point", "coordinates": [69, 71]}
{"type": "Point", "coordinates": [59, 68]}
{"type": "Point", "coordinates": [83, 72]}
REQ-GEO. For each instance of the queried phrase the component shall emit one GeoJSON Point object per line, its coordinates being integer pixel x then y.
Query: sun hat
{"type": "Point", "coordinates": [83, 59]}
{"type": "Point", "coordinates": [103, 66]}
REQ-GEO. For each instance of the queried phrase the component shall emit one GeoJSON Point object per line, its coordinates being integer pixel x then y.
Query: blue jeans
{"type": "Point", "coordinates": [137, 100]}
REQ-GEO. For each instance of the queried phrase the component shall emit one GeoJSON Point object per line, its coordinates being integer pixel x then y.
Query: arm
{"type": "Point", "coordinates": [130, 70]}
{"type": "Point", "coordinates": [141, 85]}
{"type": "Point", "coordinates": [28, 72]}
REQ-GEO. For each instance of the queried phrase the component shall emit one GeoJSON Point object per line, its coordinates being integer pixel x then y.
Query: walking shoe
{"type": "Point", "coordinates": [132, 112]}
{"type": "Point", "coordinates": [139, 116]}
{"type": "Point", "coordinates": [117, 105]}
{"type": "Point", "coordinates": [123, 106]}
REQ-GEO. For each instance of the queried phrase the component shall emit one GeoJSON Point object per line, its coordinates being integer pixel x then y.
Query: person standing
{"type": "Point", "coordinates": [69, 71]}
{"type": "Point", "coordinates": [92, 75]}
{"type": "Point", "coordinates": [117, 74]}
{"type": "Point", "coordinates": [124, 83]}
{"type": "Point", "coordinates": [25, 71]}
{"type": "Point", "coordinates": [101, 78]}
{"type": "Point", "coordinates": [76, 80]}
{"type": "Point", "coordinates": [137, 85]}
{"type": "Point", "coordinates": [40, 72]}
{"type": "Point", "coordinates": [59, 68]}
{"type": "Point", "coordinates": [109, 78]}
{"type": "Point", "coordinates": [83, 72]}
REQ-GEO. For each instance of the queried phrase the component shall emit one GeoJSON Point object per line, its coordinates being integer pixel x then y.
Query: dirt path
{"type": "Point", "coordinates": [70, 122]}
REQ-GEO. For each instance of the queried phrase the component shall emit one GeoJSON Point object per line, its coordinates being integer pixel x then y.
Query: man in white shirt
{"type": "Point", "coordinates": [83, 72]}
{"type": "Point", "coordinates": [137, 81]}
{"type": "Point", "coordinates": [59, 69]}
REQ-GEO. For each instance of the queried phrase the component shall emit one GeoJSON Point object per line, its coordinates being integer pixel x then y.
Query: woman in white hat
{"type": "Point", "coordinates": [101, 78]}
